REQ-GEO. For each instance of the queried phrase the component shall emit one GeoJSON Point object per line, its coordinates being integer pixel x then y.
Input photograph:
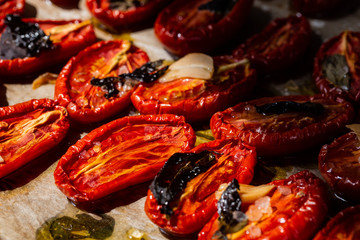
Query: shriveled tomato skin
{"type": "Point", "coordinates": [87, 103]}
{"type": "Point", "coordinates": [119, 20]}
{"type": "Point", "coordinates": [199, 204]}
{"type": "Point", "coordinates": [180, 38]}
{"type": "Point", "coordinates": [278, 46]}
{"type": "Point", "coordinates": [11, 7]}
{"type": "Point", "coordinates": [298, 219]}
{"type": "Point", "coordinates": [19, 146]}
{"type": "Point", "coordinates": [119, 154]}
{"type": "Point", "coordinates": [338, 164]}
{"type": "Point", "coordinates": [314, 8]}
{"type": "Point", "coordinates": [203, 101]}
{"type": "Point", "coordinates": [69, 45]}
{"type": "Point", "coordinates": [345, 225]}
{"type": "Point", "coordinates": [242, 121]}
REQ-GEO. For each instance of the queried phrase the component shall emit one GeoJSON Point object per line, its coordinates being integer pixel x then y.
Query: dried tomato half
{"type": "Point", "coordinates": [182, 197]}
{"type": "Point", "coordinates": [294, 209]}
{"type": "Point", "coordinates": [29, 129]}
{"type": "Point", "coordinates": [314, 8]}
{"type": "Point", "coordinates": [345, 225]}
{"type": "Point", "coordinates": [11, 7]}
{"type": "Point", "coordinates": [120, 154]}
{"type": "Point", "coordinates": [198, 99]}
{"type": "Point", "coordinates": [200, 25]}
{"type": "Point", "coordinates": [339, 165]}
{"type": "Point", "coordinates": [89, 86]}
{"type": "Point", "coordinates": [279, 45]}
{"type": "Point", "coordinates": [17, 43]}
{"type": "Point", "coordinates": [337, 66]}
{"type": "Point", "coordinates": [285, 124]}
{"type": "Point", "coordinates": [120, 15]}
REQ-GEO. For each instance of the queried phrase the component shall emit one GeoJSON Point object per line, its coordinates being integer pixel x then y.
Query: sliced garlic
{"type": "Point", "coordinates": [2, 160]}
{"type": "Point", "coordinates": [355, 128]}
{"type": "Point", "coordinates": [250, 194]}
{"type": "Point", "coordinates": [192, 65]}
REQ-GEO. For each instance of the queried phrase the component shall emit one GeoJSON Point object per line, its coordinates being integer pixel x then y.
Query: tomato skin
{"type": "Point", "coordinates": [66, 3]}
{"type": "Point", "coordinates": [70, 92]}
{"type": "Point", "coordinates": [69, 46]}
{"type": "Point", "coordinates": [118, 20]}
{"type": "Point", "coordinates": [11, 7]}
{"type": "Point", "coordinates": [338, 165]}
{"type": "Point", "coordinates": [242, 121]}
{"type": "Point", "coordinates": [26, 146]}
{"type": "Point", "coordinates": [199, 204]}
{"type": "Point", "coordinates": [180, 38]}
{"type": "Point", "coordinates": [315, 8]}
{"type": "Point", "coordinates": [278, 46]}
{"type": "Point", "coordinates": [202, 104]}
{"type": "Point", "coordinates": [129, 151]}
{"type": "Point", "coordinates": [296, 216]}
{"type": "Point", "coordinates": [345, 225]}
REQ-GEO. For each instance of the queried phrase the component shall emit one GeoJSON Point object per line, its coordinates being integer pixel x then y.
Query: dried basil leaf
{"type": "Point", "coordinates": [176, 173]}
{"type": "Point", "coordinates": [219, 7]}
{"type": "Point", "coordinates": [337, 71]}
{"type": "Point", "coordinates": [290, 106]}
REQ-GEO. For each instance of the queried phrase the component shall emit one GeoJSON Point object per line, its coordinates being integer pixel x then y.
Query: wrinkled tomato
{"type": "Point", "coordinates": [86, 102]}
{"type": "Point", "coordinates": [11, 7]}
{"type": "Point", "coordinates": [314, 8]}
{"type": "Point", "coordinates": [120, 154]}
{"type": "Point", "coordinates": [294, 209]}
{"type": "Point", "coordinates": [194, 98]}
{"type": "Point", "coordinates": [337, 66]}
{"type": "Point", "coordinates": [196, 203]}
{"type": "Point", "coordinates": [278, 46]}
{"type": "Point", "coordinates": [66, 3]}
{"type": "Point", "coordinates": [200, 25]}
{"type": "Point", "coordinates": [345, 225]}
{"type": "Point", "coordinates": [339, 165]}
{"type": "Point", "coordinates": [28, 130]}
{"type": "Point", "coordinates": [285, 124]}
{"type": "Point", "coordinates": [120, 15]}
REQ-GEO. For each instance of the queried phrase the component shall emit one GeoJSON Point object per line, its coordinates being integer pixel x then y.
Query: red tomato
{"type": "Point", "coordinates": [120, 154]}
{"type": "Point", "coordinates": [339, 165]}
{"type": "Point", "coordinates": [197, 202]}
{"type": "Point", "coordinates": [11, 7]}
{"type": "Point", "coordinates": [28, 130]}
{"type": "Point", "coordinates": [66, 3]}
{"type": "Point", "coordinates": [294, 210]}
{"type": "Point", "coordinates": [316, 7]}
{"type": "Point", "coordinates": [87, 103]}
{"type": "Point", "coordinates": [67, 43]}
{"type": "Point", "coordinates": [285, 130]}
{"type": "Point", "coordinates": [337, 66]}
{"type": "Point", "coordinates": [345, 225]}
{"type": "Point", "coordinates": [120, 15]}
{"type": "Point", "coordinates": [278, 46]}
{"type": "Point", "coordinates": [196, 99]}
{"type": "Point", "coordinates": [200, 25]}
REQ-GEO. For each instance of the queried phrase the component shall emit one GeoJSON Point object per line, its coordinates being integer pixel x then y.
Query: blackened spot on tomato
{"type": "Point", "coordinates": [337, 71]}
{"type": "Point", "coordinates": [108, 84]}
{"type": "Point", "coordinates": [289, 107]}
{"type": "Point", "coordinates": [21, 39]}
{"type": "Point", "coordinates": [220, 7]}
{"type": "Point", "coordinates": [176, 173]}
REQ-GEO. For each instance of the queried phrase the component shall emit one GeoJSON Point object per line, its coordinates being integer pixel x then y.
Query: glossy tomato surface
{"type": "Point", "coordinates": [86, 102]}
{"type": "Point", "coordinates": [196, 99]}
{"type": "Point", "coordinates": [314, 8]}
{"type": "Point", "coordinates": [200, 25]}
{"type": "Point", "coordinates": [11, 7]}
{"type": "Point", "coordinates": [339, 165]}
{"type": "Point", "coordinates": [120, 154]}
{"type": "Point", "coordinates": [68, 37]}
{"type": "Point", "coordinates": [28, 130]}
{"type": "Point", "coordinates": [283, 133]}
{"type": "Point", "coordinates": [197, 203]}
{"type": "Point", "coordinates": [278, 46]}
{"type": "Point", "coordinates": [294, 210]}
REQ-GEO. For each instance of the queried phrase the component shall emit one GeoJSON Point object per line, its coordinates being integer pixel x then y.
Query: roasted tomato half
{"type": "Point", "coordinates": [119, 154]}
{"type": "Point", "coordinates": [121, 15]}
{"type": "Point", "coordinates": [199, 92]}
{"type": "Point", "coordinates": [293, 209]}
{"type": "Point", "coordinates": [278, 46]}
{"type": "Point", "coordinates": [28, 130]}
{"type": "Point", "coordinates": [337, 66]}
{"type": "Point", "coordinates": [31, 45]}
{"type": "Point", "coordinates": [314, 8]}
{"type": "Point", "coordinates": [182, 197]}
{"type": "Point", "coordinates": [200, 25]}
{"type": "Point", "coordinates": [89, 85]}
{"type": "Point", "coordinates": [345, 225]}
{"type": "Point", "coordinates": [340, 167]}
{"type": "Point", "coordinates": [283, 125]}
{"type": "Point", "coordinates": [11, 7]}
{"type": "Point", "coordinates": [66, 3]}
